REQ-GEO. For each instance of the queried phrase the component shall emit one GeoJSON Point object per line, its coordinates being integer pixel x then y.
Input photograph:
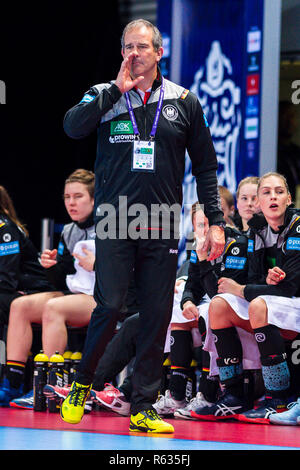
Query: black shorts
{"type": "Point", "coordinates": [5, 301]}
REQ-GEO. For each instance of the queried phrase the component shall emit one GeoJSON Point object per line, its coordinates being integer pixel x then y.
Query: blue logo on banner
{"type": "Point", "coordinates": [253, 62]}
{"type": "Point", "coordinates": [235, 262]}
{"type": "Point", "coordinates": [250, 246]}
{"type": "Point", "coordinates": [252, 105]}
{"type": "Point", "coordinates": [293, 243]}
{"type": "Point", "coordinates": [10, 248]}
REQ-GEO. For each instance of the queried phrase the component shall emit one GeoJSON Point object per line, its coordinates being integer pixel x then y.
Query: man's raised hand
{"type": "Point", "coordinates": [124, 80]}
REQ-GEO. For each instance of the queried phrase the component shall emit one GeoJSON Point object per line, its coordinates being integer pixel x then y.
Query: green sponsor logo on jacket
{"type": "Point", "coordinates": [121, 127]}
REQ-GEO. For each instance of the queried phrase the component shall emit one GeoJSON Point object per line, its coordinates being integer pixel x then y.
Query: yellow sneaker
{"type": "Point", "coordinates": [149, 421]}
{"type": "Point", "coordinates": [72, 408]}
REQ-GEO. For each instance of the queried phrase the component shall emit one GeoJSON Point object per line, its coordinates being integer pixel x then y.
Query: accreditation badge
{"type": "Point", "coordinates": [143, 156]}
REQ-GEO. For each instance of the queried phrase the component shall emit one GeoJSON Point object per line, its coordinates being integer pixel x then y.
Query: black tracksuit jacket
{"type": "Point", "coordinates": [181, 126]}
{"type": "Point", "coordinates": [266, 249]}
{"type": "Point", "coordinates": [203, 275]}
{"type": "Point", "coordinates": [20, 269]}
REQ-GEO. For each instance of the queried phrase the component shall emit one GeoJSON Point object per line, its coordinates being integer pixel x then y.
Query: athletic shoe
{"type": "Point", "coordinates": [166, 404]}
{"type": "Point", "coordinates": [226, 407]}
{"type": "Point", "coordinates": [25, 402]}
{"type": "Point", "coordinates": [8, 393]}
{"type": "Point", "coordinates": [261, 415]}
{"type": "Point", "coordinates": [288, 417]}
{"type": "Point", "coordinates": [197, 402]}
{"type": "Point", "coordinates": [72, 408]}
{"type": "Point", "coordinates": [113, 399]}
{"type": "Point", "coordinates": [149, 421]}
{"type": "Point", "coordinates": [53, 391]}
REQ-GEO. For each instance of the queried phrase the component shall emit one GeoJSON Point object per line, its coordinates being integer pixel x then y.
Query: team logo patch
{"type": "Point", "coordinates": [7, 237]}
{"type": "Point", "coordinates": [87, 98]}
{"type": "Point", "coordinates": [170, 112]}
{"type": "Point", "coordinates": [235, 250]}
{"type": "Point", "coordinates": [298, 229]}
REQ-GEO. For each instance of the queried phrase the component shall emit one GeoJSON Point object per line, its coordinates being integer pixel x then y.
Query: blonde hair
{"type": "Point", "coordinates": [278, 175]}
{"type": "Point", "coordinates": [247, 180]}
{"type": "Point", "coordinates": [226, 195]}
{"type": "Point", "coordinates": [7, 208]}
{"type": "Point", "coordinates": [195, 208]}
{"type": "Point", "coordinates": [85, 177]}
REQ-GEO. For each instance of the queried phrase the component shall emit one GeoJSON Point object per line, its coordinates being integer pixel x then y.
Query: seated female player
{"type": "Point", "coordinates": [57, 307]}
{"type": "Point", "coordinates": [267, 305]}
{"type": "Point", "coordinates": [20, 270]}
{"type": "Point", "coordinates": [195, 298]}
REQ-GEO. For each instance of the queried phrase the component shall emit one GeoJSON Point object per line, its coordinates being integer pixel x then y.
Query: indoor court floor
{"type": "Point", "coordinates": [104, 430]}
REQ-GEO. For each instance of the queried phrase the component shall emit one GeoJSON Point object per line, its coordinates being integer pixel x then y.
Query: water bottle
{"type": "Point", "coordinates": [40, 373]}
{"type": "Point", "coordinates": [67, 368]}
{"type": "Point", "coordinates": [55, 377]}
{"type": "Point", "coordinates": [75, 360]}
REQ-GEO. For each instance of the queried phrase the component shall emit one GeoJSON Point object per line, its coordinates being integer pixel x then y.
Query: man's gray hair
{"type": "Point", "coordinates": [156, 36]}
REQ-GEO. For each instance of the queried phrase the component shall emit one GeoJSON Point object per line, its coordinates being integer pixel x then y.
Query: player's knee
{"type": "Point", "coordinates": [257, 312]}
{"type": "Point", "coordinates": [50, 312]}
{"type": "Point", "coordinates": [218, 308]}
{"type": "Point", "coordinates": [20, 307]}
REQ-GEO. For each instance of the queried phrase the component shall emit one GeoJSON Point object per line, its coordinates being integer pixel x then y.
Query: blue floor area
{"type": "Point", "coordinates": [37, 439]}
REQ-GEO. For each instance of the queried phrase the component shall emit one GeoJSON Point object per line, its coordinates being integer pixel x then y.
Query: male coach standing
{"type": "Point", "coordinates": [145, 124]}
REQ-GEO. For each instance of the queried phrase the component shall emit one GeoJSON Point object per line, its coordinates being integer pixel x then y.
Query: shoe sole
{"type": "Point", "coordinates": [134, 428]}
{"type": "Point", "coordinates": [181, 416]}
{"type": "Point", "coordinates": [23, 407]}
{"type": "Point", "coordinates": [212, 417]}
{"type": "Point", "coordinates": [69, 420]}
{"type": "Point", "coordinates": [244, 419]}
{"type": "Point", "coordinates": [285, 423]}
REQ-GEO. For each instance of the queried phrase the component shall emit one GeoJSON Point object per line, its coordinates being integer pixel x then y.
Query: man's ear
{"type": "Point", "coordinates": [160, 52]}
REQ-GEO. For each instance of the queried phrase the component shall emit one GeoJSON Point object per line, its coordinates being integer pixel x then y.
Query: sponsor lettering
{"type": "Point", "coordinates": [293, 243]}
{"type": "Point", "coordinates": [9, 248]}
{"type": "Point", "coordinates": [121, 127]}
{"type": "Point", "coordinates": [235, 262]}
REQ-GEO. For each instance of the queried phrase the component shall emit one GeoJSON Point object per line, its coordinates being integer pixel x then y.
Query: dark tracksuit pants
{"type": "Point", "coordinates": [117, 355]}
{"type": "Point", "coordinates": [154, 263]}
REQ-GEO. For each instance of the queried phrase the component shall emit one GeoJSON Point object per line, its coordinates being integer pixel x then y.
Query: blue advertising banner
{"type": "Point", "coordinates": [214, 48]}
